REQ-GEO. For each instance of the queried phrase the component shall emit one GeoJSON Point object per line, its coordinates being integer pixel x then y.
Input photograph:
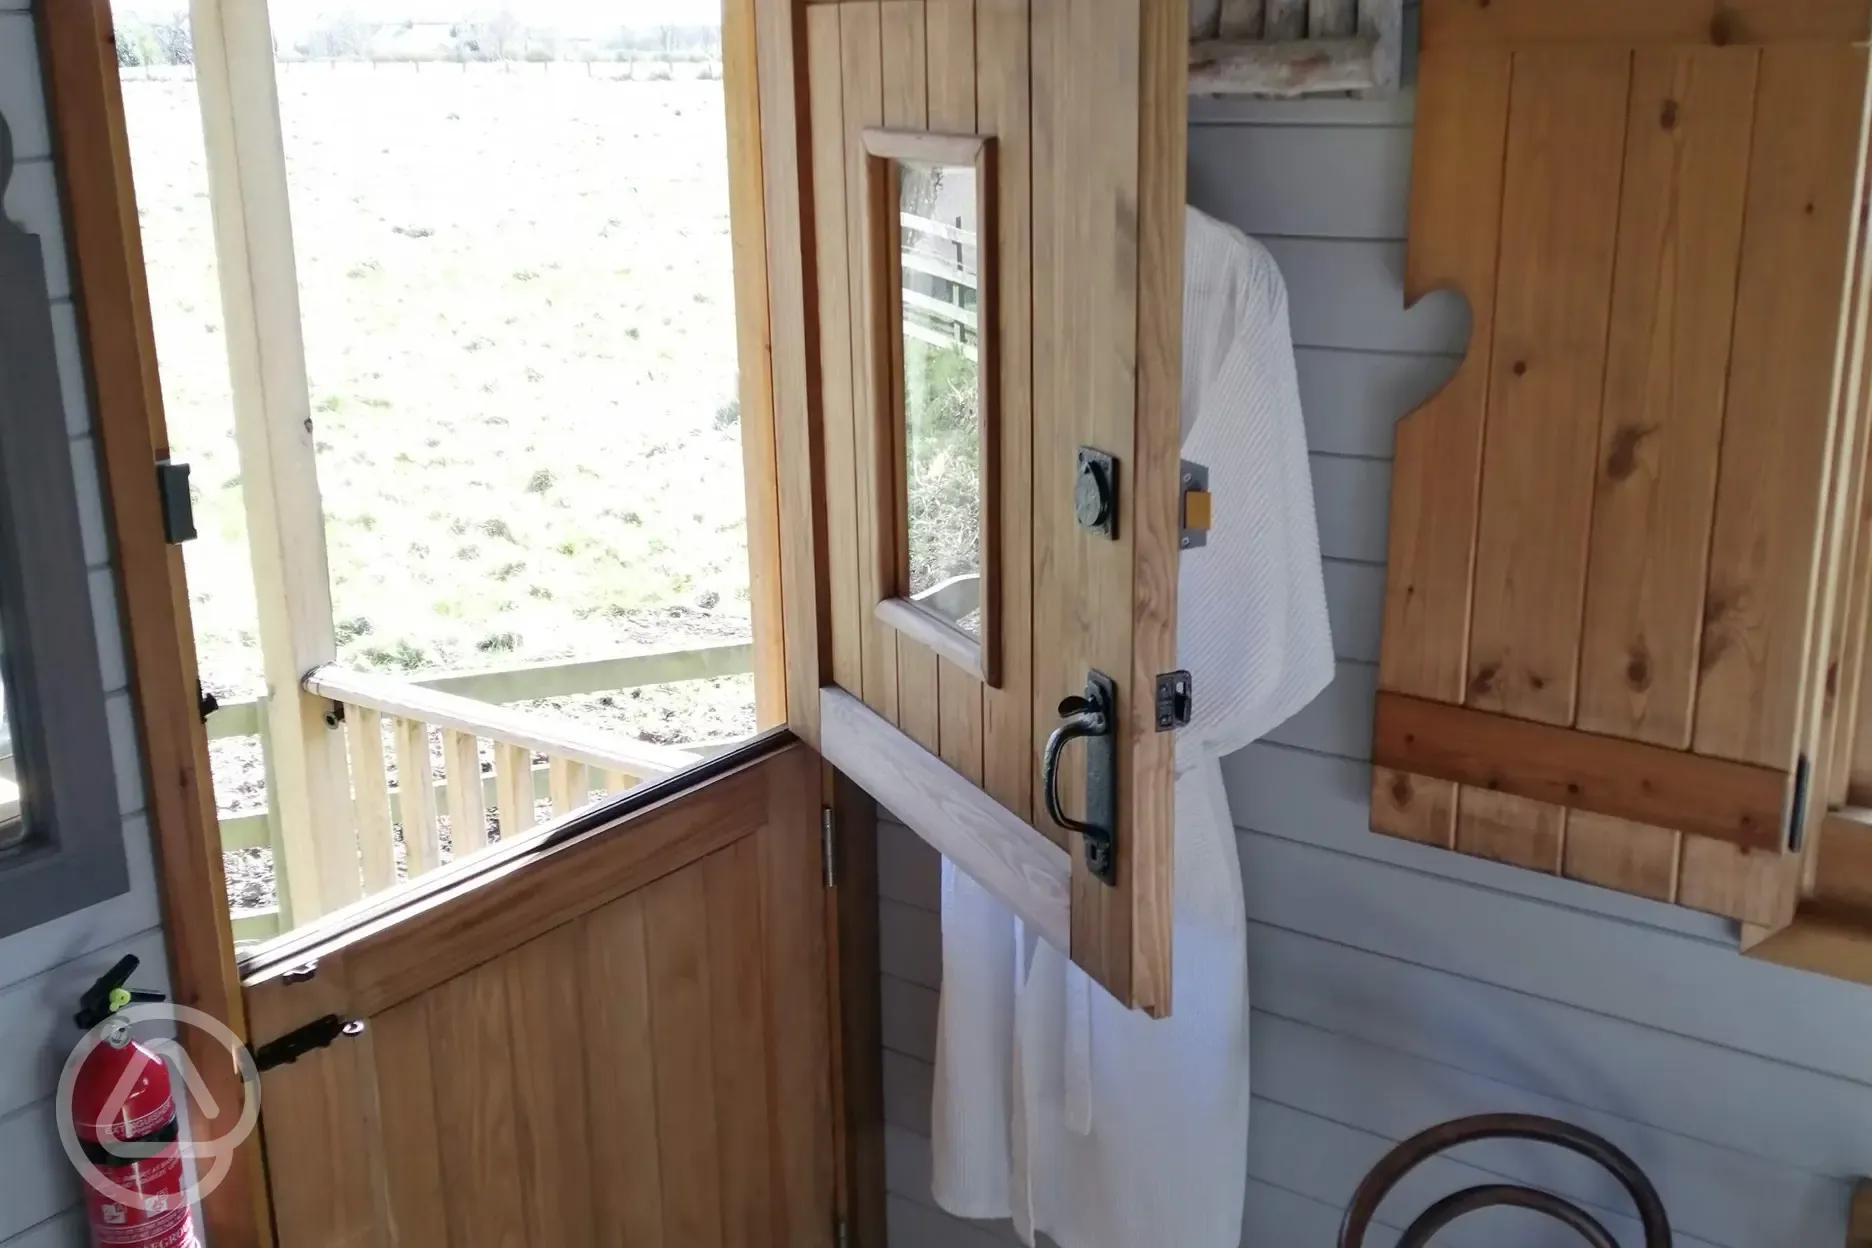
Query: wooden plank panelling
{"type": "Point", "coordinates": [654, 1071]}
{"type": "Point", "coordinates": [1758, 681]}
{"type": "Point", "coordinates": [621, 1075]}
{"type": "Point", "coordinates": [1680, 227]}
{"type": "Point", "coordinates": [1681, 22]}
{"type": "Point", "coordinates": [412, 1154]}
{"type": "Point", "coordinates": [471, 1048]}
{"type": "Point", "coordinates": [861, 64]}
{"type": "Point", "coordinates": [1782, 375]}
{"type": "Point", "coordinates": [1553, 296]}
{"type": "Point", "coordinates": [950, 46]}
{"type": "Point", "coordinates": [1002, 91]}
{"type": "Point", "coordinates": [850, 614]}
{"type": "Point", "coordinates": [1680, 231]}
{"type": "Point", "coordinates": [682, 1030]}
{"type": "Point", "coordinates": [544, 989]}
{"type": "Point", "coordinates": [1455, 223]}
{"type": "Point", "coordinates": [798, 1045]}
{"type": "Point", "coordinates": [738, 1006]}
{"type": "Point", "coordinates": [905, 64]}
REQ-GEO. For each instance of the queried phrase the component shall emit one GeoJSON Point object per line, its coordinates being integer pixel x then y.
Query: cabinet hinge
{"type": "Point", "coordinates": [841, 1232]}
{"type": "Point", "coordinates": [320, 1033]}
{"type": "Point", "coordinates": [178, 508]}
{"type": "Point", "coordinates": [1797, 816]}
{"type": "Point", "coordinates": [828, 848]}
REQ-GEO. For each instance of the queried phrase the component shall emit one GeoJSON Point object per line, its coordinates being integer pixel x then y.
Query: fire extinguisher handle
{"type": "Point", "coordinates": [102, 999]}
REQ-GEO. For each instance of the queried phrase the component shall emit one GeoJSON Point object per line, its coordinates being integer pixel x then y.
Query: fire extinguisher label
{"type": "Point", "coordinates": [168, 1230]}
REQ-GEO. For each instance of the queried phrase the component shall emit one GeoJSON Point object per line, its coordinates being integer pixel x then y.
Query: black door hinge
{"type": "Point", "coordinates": [1797, 817]}
{"type": "Point", "coordinates": [320, 1033]}
{"type": "Point", "coordinates": [178, 508]}
{"type": "Point", "coordinates": [828, 847]}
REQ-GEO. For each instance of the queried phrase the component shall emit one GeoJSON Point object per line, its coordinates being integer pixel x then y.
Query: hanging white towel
{"type": "Point", "coordinates": [1054, 1105]}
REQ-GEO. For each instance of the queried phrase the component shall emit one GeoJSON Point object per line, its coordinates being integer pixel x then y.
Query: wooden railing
{"type": "Point", "coordinates": [537, 758]}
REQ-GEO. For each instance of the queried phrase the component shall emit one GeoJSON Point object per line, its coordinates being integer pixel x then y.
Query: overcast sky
{"type": "Point", "coordinates": [569, 16]}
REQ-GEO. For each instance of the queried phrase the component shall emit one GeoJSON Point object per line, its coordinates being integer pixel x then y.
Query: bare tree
{"type": "Point", "coordinates": [175, 45]}
{"type": "Point", "coordinates": [504, 32]}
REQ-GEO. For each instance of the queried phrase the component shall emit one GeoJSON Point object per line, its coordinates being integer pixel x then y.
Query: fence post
{"type": "Point", "coordinates": [273, 425]}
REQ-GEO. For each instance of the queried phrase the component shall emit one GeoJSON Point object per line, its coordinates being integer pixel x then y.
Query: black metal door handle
{"type": "Point", "coordinates": [1089, 718]}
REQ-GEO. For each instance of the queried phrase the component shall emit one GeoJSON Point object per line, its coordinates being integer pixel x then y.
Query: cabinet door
{"type": "Point", "coordinates": [990, 204]}
{"type": "Point", "coordinates": [1613, 535]}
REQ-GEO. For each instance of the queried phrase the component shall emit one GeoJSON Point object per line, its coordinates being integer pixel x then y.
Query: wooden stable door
{"type": "Point", "coordinates": [618, 1038]}
{"type": "Point", "coordinates": [990, 194]}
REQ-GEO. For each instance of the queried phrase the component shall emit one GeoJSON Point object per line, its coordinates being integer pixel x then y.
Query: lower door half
{"type": "Point", "coordinates": [620, 1038]}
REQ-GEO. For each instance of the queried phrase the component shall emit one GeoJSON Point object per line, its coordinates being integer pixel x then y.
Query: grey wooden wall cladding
{"type": "Point", "coordinates": [1392, 987]}
{"type": "Point", "coordinates": [73, 854]}
{"type": "Point", "coordinates": [43, 968]}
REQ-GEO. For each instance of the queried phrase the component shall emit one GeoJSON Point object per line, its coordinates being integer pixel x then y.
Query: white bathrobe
{"type": "Point", "coordinates": [1054, 1105]}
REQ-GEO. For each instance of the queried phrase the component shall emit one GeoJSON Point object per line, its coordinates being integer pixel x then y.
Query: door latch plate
{"type": "Point", "coordinates": [1198, 504]}
{"type": "Point", "coordinates": [1176, 698]}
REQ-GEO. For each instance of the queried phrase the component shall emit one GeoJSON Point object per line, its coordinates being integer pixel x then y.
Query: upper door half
{"type": "Point", "coordinates": [992, 200]}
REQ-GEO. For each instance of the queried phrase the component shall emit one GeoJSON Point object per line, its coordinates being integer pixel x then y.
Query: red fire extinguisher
{"type": "Point", "coordinates": [125, 1118]}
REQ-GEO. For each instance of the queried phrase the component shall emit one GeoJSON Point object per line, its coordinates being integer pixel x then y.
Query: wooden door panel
{"type": "Point", "coordinates": [1618, 519]}
{"type": "Point", "coordinates": [654, 1069]}
{"type": "Point", "coordinates": [1079, 347]}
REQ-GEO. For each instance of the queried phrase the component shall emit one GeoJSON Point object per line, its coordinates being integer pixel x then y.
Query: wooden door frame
{"type": "Point", "coordinates": [771, 235]}
{"type": "Point", "coordinates": [79, 61]}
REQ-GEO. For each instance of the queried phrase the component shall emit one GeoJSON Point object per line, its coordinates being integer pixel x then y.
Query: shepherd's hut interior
{"type": "Point", "coordinates": [935, 623]}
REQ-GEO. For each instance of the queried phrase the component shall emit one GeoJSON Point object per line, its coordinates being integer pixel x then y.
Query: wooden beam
{"type": "Point", "coordinates": [1739, 803]}
{"type": "Point", "coordinates": [78, 53]}
{"type": "Point", "coordinates": [793, 320]}
{"type": "Point", "coordinates": [1284, 69]}
{"type": "Point", "coordinates": [747, 226]}
{"type": "Point", "coordinates": [273, 425]}
{"type": "Point", "coordinates": [1029, 873]}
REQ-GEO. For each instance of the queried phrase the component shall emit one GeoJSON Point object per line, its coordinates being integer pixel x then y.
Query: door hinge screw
{"type": "Point", "coordinates": [828, 855]}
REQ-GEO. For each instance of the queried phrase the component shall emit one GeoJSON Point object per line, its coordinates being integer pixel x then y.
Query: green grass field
{"type": "Point", "coordinates": [518, 304]}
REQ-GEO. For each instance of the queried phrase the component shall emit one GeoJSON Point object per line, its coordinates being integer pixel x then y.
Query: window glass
{"type": "Point", "coordinates": [942, 390]}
